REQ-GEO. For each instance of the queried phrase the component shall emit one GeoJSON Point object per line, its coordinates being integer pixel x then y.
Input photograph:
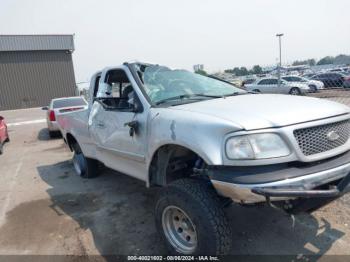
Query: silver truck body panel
{"type": "Point", "coordinates": [202, 127]}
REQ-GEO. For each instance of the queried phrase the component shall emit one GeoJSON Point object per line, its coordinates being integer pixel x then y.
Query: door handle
{"type": "Point", "coordinates": [133, 125]}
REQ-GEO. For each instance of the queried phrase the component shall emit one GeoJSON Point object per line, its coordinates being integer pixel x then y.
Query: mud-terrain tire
{"type": "Point", "coordinates": [206, 229]}
{"type": "Point", "coordinates": [84, 166]}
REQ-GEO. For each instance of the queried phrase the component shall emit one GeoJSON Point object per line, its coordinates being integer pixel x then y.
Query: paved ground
{"type": "Point", "coordinates": [46, 209]}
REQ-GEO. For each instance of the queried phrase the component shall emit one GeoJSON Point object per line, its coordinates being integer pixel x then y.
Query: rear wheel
{"type": "Point", "coordinates": [256, 91]}
{"type": "Point", "coordinates": [1, 148]}
{"type": "Point", "coordinates": [295, 91]}
{"type": "Point", "coordinates": [84, 167]}
{"type": "Point", "coordinates": [54, 134]}
{"type": "Point", "coordinates": [190, 217]}
{"type": "Point", "coordinates": [7, 138]}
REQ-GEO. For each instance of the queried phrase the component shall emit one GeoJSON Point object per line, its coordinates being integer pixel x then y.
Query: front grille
{"type": "Point", "coordinates": [318, 139]}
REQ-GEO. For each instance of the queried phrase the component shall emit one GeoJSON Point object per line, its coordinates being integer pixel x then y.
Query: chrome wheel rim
{"type": "Point", "coordinates": [294, 92]}
{"type": "Point", "coordinates": [179, 230]}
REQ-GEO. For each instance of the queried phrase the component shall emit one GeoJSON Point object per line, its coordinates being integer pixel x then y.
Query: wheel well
{"type": "Point", "coordinates": [172, 162]}
{"type": "Point", "coordinates": [71, 141]}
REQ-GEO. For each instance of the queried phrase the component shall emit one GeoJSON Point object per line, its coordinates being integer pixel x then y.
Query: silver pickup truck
{"type": "Point", "coordinates": [208, 144]}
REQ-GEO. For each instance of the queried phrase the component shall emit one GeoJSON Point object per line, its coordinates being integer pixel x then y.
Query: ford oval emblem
{"type": "Point", "coordinates": [333, 136]}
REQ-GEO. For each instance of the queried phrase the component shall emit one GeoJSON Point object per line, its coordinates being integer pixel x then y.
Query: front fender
{"type": "Point", "coordinates": [197, 132]}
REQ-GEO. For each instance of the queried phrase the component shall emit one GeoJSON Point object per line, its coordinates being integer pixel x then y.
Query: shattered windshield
{"type": "Point", "coordinates": [165, 85]}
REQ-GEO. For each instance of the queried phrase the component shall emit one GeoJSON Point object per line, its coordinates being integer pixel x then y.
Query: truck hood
{"type": "Point", "coordinates": [257, 111]}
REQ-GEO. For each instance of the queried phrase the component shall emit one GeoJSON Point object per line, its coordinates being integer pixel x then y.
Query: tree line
{"type": "Point", "coordinates": [327, 60]}
{"type": "Point", "coordinates": [255, 70]}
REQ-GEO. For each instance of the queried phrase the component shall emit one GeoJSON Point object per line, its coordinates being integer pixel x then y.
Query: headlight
{"type": "Point", "coordinates": [256, 146]}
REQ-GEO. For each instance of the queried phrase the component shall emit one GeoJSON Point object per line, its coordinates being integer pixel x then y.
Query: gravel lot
{"type": "Point", "coordinates": [46, 209]}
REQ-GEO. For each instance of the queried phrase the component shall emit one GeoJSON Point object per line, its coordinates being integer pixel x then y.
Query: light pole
{"type": "Point", "coordinates": [280, 65]}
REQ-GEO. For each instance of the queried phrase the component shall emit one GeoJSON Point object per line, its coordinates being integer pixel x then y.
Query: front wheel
{"type": "Point", "coordinates": [190, 217]}
{"type": "Point", "coordinates": [84, 167]}
{"type": "Point", "coordinates": [313, 88]}
{"type": "Point", "coordinates": [295, 91]}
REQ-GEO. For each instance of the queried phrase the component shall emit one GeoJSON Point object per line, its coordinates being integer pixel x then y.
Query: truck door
{"type": "Point", "coordinates": [117, 125]}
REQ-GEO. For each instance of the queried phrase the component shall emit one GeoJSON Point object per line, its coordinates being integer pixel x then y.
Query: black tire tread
{"type": "Point", "coordinates": [203, 192]}
{"type": "Point", "coordinates": [53, 134]}
{"type": "Point", "coordinates": [91, 164]}
{"type": "Point", "coordinates": [92, 168]}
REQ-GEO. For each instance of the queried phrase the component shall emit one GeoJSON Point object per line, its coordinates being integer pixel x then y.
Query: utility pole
{"type": "Point", "coordinates": [280, 64]}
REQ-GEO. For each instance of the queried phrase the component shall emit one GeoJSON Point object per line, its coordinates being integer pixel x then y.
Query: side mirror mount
{"type": "Point", "coordinates": [137, 106]}
{"type": "Point", "coordinates": [45, 108]}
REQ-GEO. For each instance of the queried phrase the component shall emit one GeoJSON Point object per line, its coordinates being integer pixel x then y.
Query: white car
{"type": "Point", "coordinates": [271, 85]}
{"type": "Point", "coordinates": [313, 84]}
{"type": "Point", "coordinates": [59, 106]}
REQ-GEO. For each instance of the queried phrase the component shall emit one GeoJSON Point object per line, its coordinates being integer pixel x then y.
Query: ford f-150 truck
{"type": "Point", "coordinates": [209, 143]}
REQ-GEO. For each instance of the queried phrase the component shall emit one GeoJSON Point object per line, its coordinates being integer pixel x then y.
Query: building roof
{"type": "Point", "coordinates": [36, 42]}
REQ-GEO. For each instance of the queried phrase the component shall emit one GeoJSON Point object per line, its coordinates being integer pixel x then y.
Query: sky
{"type": "Point", "coordinates": [220, 34]}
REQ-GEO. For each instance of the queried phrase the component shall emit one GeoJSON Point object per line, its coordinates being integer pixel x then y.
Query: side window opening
{"type": "Point", "coordinates": [97, 80]}
{"type": "Point", "coordinates": [117, 92]}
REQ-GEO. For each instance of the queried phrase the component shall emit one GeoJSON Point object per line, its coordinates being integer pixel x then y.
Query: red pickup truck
{"type": "Point", "coordinates": [4, 136]}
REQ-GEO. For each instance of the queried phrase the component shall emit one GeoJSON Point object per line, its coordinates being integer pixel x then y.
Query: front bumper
{"type": "Point", "coordinates": [326, 179]}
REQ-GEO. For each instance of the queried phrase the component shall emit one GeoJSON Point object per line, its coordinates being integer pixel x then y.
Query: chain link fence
{"type": "Point", "coordinates": [295, 80]}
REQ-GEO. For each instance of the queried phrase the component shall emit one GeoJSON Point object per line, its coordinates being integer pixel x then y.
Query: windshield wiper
{"type": "Point", "coordinates": [239, 93]}
{"type": "Point", "coordinates": [180, 97]}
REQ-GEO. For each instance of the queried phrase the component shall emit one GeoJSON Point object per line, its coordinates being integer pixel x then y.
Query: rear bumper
{"type": "Point", "coordinates": [307, 185]}
{"type": "Point", "coordinates": [53, 126]}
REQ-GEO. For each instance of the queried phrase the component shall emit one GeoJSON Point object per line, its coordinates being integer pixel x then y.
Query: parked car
{"type": "Point", "coordinates": [342, 70]}
{"type": "Point", "coordinates": [207, 143]}
{"type": "Point", "coordinates": [270, 85]}
{"type": "Point", "coordinates": [313, 84]}
{"type": "Point", "coordinates": [335, 79]}
{"type": "Point", "coordinates": [235, 83]}
{"type": "Point", "coordinates": [59, 106]}
{"type": "Point", "coordinates": [4, 136]}
{"type": "Point", "coordinates": [248, 81]}
{"type": "Point", "coordinates": [309, 75]}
